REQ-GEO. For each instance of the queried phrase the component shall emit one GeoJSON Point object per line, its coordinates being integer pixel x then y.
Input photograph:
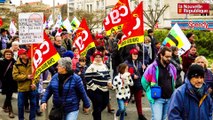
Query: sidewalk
{"type": "Point", "coordinates": [4, 116]}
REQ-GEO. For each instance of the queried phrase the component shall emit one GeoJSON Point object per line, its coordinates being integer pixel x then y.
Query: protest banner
{"type": "Point", "coordinates": [117, 17]}
{"type": "Point", "coordinates": [30, 28]}
{"type": "Point", "coordinates": [44, 56]}
{"type": "Point", "coordinates": [83, 39]}
{"type": "Point", "coordinates": [134, 30]}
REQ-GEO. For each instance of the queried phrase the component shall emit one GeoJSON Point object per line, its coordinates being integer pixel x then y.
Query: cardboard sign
{"type": "Point", "coordinates": [30, 28]}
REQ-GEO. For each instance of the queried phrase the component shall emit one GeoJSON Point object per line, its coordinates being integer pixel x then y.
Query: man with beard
{"type": "Point", "coordinates": [158, 82]}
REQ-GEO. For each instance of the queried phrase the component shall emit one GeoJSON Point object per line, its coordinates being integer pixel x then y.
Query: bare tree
{"type": "Point", "coordinates": [153, 15]}
{"type": "Point", "coordinates": [94, 19]}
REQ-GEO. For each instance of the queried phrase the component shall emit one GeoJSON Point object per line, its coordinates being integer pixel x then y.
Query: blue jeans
{"type": "Point", "coordinates": [121, 109]}
{"type": "Point", "coordinates": [159, 109]}
{"type": "Point", "coordinates": [72, 115]}
{"type": "Point", "coordinates": [22, 96]}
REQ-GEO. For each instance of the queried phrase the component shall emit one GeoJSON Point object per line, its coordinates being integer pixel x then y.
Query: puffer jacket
{"type": "Point", "coordinates": [76, 92]}
{"type": "Point", "coordinates": [20, 73]}
{"type": "Point", "coordinates": [184, 105]}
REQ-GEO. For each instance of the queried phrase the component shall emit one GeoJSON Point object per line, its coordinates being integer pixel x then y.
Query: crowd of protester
{"type": "Point", "coordinates": [183, 83]}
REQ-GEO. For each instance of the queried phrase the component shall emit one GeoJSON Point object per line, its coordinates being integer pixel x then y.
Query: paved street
{"type": "Point", "coordinates": [131, 110]}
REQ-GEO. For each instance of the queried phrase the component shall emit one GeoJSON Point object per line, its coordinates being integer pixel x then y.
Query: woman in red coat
{"type": "Point", "coordinates": [188, 58]}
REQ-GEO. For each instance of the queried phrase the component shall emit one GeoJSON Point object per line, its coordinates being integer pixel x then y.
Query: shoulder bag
{"type": "Point", "coordinates": [156, 91]}
{"type": "Point", "coordinates": [57, 113]}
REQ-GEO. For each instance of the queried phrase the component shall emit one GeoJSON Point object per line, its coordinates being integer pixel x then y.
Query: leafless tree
{"type": "Point", "coordinates": [153, 15]}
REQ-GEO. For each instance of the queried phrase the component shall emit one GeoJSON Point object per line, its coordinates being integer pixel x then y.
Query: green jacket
{"type": "Point", "coordinates": [20, 73]}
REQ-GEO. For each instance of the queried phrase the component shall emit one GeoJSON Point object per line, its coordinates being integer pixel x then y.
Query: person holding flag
{"type": "Point", "coordinates": [22, 73]}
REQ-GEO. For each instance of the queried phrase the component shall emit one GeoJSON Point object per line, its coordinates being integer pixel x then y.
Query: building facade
{"type": "Point", "coordinates": [164, 21]}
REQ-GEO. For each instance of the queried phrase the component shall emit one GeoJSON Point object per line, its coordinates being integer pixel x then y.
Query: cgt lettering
{"type": "Point", "coordinates": [115, 16]}
{"type": "Point", "coordinates": [80, 40]}
{"type": "Point", "coordinates": [38, 56]}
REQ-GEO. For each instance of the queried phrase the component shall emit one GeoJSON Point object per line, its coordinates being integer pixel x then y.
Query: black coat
{"type": "Point", "coordinates": [8, 84]}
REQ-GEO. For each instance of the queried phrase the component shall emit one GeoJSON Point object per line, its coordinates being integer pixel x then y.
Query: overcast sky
{"type": "Point", "coordinates": [49, 2]}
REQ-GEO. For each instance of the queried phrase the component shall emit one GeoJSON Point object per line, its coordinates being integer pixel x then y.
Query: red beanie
{"type": "Point", "coordinates": [133, 51]}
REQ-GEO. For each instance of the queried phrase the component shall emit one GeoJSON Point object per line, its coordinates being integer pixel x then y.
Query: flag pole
{"type": "Point", "coordinates": [31, 56]}
{"type": "Point", "coordinates": [143, 53]}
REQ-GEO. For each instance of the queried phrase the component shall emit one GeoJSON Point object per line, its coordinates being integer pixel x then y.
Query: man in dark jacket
{"type": "Point", "coordinates": [191, 101]}
{"type": "Point", "coordinates": [153, 41]}
{"type": "Point", "coordinates": [60, 49]}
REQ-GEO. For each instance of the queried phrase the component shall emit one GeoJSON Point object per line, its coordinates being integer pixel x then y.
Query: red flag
{"type": "Point", "coordinates": [83, 39]}
{"type": "Point", "coordinates": [119, 15]}
{"type": "Point", "coordinates": [134, 30]}
{"type": "Point", "coordinates": [1, 22]}
{"type": "Point", "coordinates": [44, 56]}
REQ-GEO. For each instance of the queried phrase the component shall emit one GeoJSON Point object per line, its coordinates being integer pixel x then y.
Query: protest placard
{"type": "Point", "coordinates": [30, 28]}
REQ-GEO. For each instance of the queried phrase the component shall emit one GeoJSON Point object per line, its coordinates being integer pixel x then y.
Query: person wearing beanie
{"type": "Point", "coordinates": [208, 76]}
{"type": "Point", "coordinates": [68, 53]}
{"type": "Point", "coordinates": [98, 83]}
{"type": "Point", "coordinates": [191, 100]}
{"type": "Point", "coordinates": [136, 72]}
{"type": "Point", "coordinates": [67, 88]}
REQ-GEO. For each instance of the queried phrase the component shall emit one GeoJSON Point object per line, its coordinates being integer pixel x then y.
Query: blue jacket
{"type": "Point", "coordinates": [75, 93]}
{"type": "Point", "coordinates": [185, 105]}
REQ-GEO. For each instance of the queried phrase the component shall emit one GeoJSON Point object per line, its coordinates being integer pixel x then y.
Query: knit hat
{"type": "Point", "coordinates": [195, 70]}
{"type": "Point", "coordinates": [22, 51]}
{"type": "Point", "coordinates": [69, 53]}
{"type": "Point", "coordinates": [133, 51]}
{"type": "Point", "coordinates": [97, 53]}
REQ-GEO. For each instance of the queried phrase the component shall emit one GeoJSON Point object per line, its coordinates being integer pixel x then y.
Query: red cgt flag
{"type": "Point", "coordinates": [120, 14]}
{"type": "Point", "coordinates": [83, 39]}
{"type": "Point", "coordinates": [1, 22]}
{"type": "Point", "coordinates": [44, 56]}
{"type": "Point", "coordinates": [134, 30]}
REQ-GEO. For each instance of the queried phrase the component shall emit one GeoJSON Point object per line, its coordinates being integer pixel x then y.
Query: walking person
{"type": "Point", "coordinates": [189, 57]}
{"type": "Point", "coordinates": [98, 83]}
{"type": "Point", "coordinates": [191, 101]}
{"type": "Point", "coordinates": [159, 83]}
{"type": "Point", "coordinates": [121, 84]}
{"type": "Point", "coordinates": [175, 60]}
{"type": "Point", "coordinates": [9, 86]}
{"type": "Point", "coordinates": [208, 75]}
{"type": "Point", "coordinates": [67, 89]}
{"type": "Point", "coordinates": [136, 71]}
{"type": "Point", "coordinates": [22, 73]}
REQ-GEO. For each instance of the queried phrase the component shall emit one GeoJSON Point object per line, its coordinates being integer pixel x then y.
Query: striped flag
{"type": "Point", "coordinates": [75, 23]}
{"type": "Point", "coordinates": [176, 37]}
